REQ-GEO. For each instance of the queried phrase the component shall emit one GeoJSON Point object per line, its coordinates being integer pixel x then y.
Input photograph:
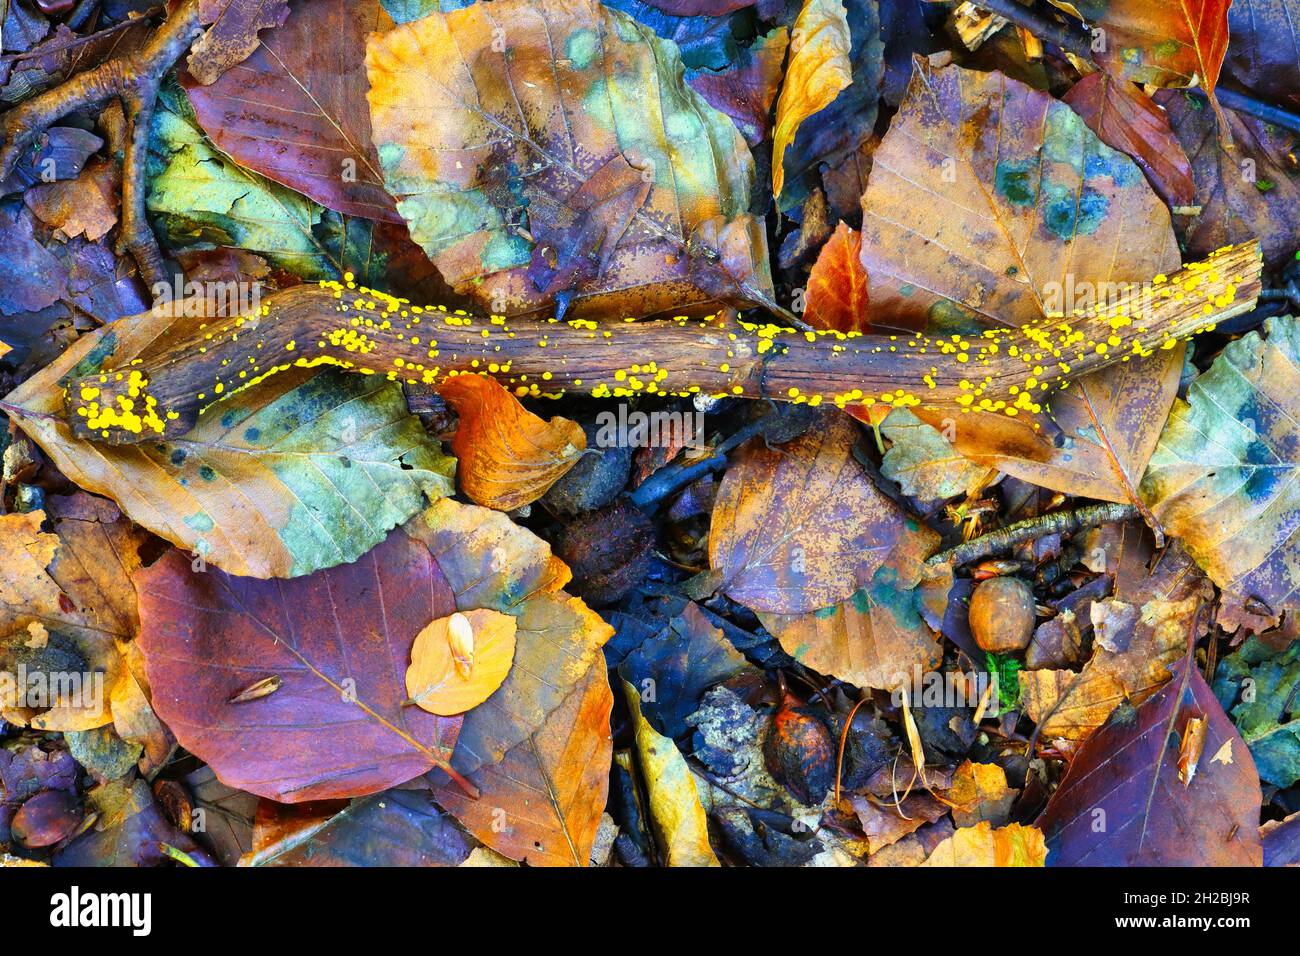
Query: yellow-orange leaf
{"type": "Point", "coordinates": [819, 68]}
{"type": "Point", "coordinates": [508, 457]}
{"type": "Point", "coordinates": [458, 661]}
{"type": "Point", "coordinates": [981, 845]}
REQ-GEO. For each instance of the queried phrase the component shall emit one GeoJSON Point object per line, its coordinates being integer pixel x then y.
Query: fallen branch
{"type": "Point", "coordinates": [135, 78]}
{"type": "Point", "coordinates": [197, 364]}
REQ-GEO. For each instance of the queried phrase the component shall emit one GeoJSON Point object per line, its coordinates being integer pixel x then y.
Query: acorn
{"type": "Point", "coordinates": [46, 819]}
{"type": "Point", "coordinates": [1002, 614]}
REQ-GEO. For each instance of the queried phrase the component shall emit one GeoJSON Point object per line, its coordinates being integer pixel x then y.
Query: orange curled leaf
{"type": "Point", "coordinates": [508, 456]}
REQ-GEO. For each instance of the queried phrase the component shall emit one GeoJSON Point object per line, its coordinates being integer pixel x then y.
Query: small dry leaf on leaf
{"type": "Point", "coordinates": [458, 661]}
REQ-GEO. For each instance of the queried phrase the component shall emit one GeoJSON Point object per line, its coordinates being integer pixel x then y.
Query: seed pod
{"type": "Point", "coordinates": [799, 752]}
{"type": "Point", "coordinates": [1002, 612]}
{"type": "Point", "coordinates": [46, 819]}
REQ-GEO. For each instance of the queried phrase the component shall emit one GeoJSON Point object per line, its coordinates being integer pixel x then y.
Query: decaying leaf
{"type": "Point", "coordinates": [1222, 478]}
{"type": "Point", "coordinates": [507, 457]}
{"type": "Point", "coordinates": [676, 815]}
{"type": "Point", "coordinates": [819, 68]}
{"type": "Point", "coordinates": [338, 640]}
{"type": "Point", "coordinates": [305, 83]}
{"type": "Point", "coordinates": [510, 157]}
{"type": "Point", "coordinates": [299, 472]}
{"type": "Point", "coordinates": [233, 26]}
{"type": "Point", "coordinates": [982, 845]}
{"type": "Point", "coordinates": [1137, 637]}
{"type": "Point", "coordinates": [1128, 120]}
{"type": "Point", "coordinates": [1122, 802]}
{"type": "Point", "coordinates": [837, 287]}
{"type": "Point", "coordinates": [542, 803]}
{"type": "Point", "coordinates": [1257, 686]}
{"type": "Point", "coordinates": [802, 527]}
{"type": "Point", "coordinates": [985, 230]}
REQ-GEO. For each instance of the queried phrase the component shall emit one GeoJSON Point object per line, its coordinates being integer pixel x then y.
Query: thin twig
{"type": "Point", "coordinates": [1057, 522]}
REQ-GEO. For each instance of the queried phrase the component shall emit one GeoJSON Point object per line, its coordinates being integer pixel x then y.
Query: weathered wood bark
{"type": "Point", "coordinates": [1006, 371]}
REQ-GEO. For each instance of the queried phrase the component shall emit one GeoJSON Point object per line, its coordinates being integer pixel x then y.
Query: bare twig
{"type": "Point", "coordinates": [1056, 522]}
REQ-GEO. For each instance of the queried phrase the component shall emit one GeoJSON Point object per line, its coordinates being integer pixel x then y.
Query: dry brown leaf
{"type": "Point", "coordinates": [837, 285]}
{"type": "Point", "coordinates": [542, 803]}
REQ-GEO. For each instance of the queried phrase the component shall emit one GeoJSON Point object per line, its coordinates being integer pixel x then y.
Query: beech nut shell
{"type": "Point", "coordinates": [1002, 615]}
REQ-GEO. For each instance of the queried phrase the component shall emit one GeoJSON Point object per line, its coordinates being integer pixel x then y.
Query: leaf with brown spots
{"type": "Point", "coordinates": [507, 456]}
{"type": "Point", "coordinates": [233, 26]}
{"type": "Point", "coordinates": [802, 526]}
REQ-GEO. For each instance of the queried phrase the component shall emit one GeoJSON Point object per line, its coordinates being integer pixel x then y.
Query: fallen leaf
{"type": "Point", "coordinates": [1137, 638]}
{"type": "Point", "coordinates": [1164, 44]}
{"type": "Point", "coordinates": [978, 230]}
{"type": "Point", "coordinates": [837, 286]}
{"type": "Point", "coordinates": [507, 457]}
{"type": "Point", "coordinates": [835, 130]}
{"type": "Point", "coordinates": [674, 669]}
{"type": "Point", "coordinates": [878, 637]}
{"type": "Point", "coordinates": [541, 804]}
{"type": "Point", "coordinates": [981, 845]}
{"type": "Point", "coordinates": [746, 89]}
{"type": "Point", "coordinates": [488, 561]}
{"type": "Point", "coordinates": [982, 796]}
{"type": "Point", "coordinates": [1121, 802]}
{"type": "Point", "coordinates": [678, 819]}
{"type": "Point", "coordinates": [819, 68]}
{"type": "Point", "coordinates": [454, 111]}
{"type": "Point", "coordinates": [1259, 684]}
{"type": "Point", "coordinates": [1222, 477]}
{"type": "Point", "coordinates": [85, 206]}
{"type": "Point", "coordinates": [450, 674]}
{"type": "Point", "coordinates": [1248, 192]}
{"type": "Point", "coordinates": [337, 726]}
{"type": "Point", "coordinates": [923, 462]}
{"type": "Point", "coordinates": [304, 84]}
{"type": "Point", "coordinates": [1264, 49]}
{"type": "Point", "coordinates": [1125, 118]}
{"type": "Point", "coordinates": [233, 26]}
{"type": "Point", "coordinates": [802, 527]}
{"type": "Point", "coordinates": [393, 828]}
